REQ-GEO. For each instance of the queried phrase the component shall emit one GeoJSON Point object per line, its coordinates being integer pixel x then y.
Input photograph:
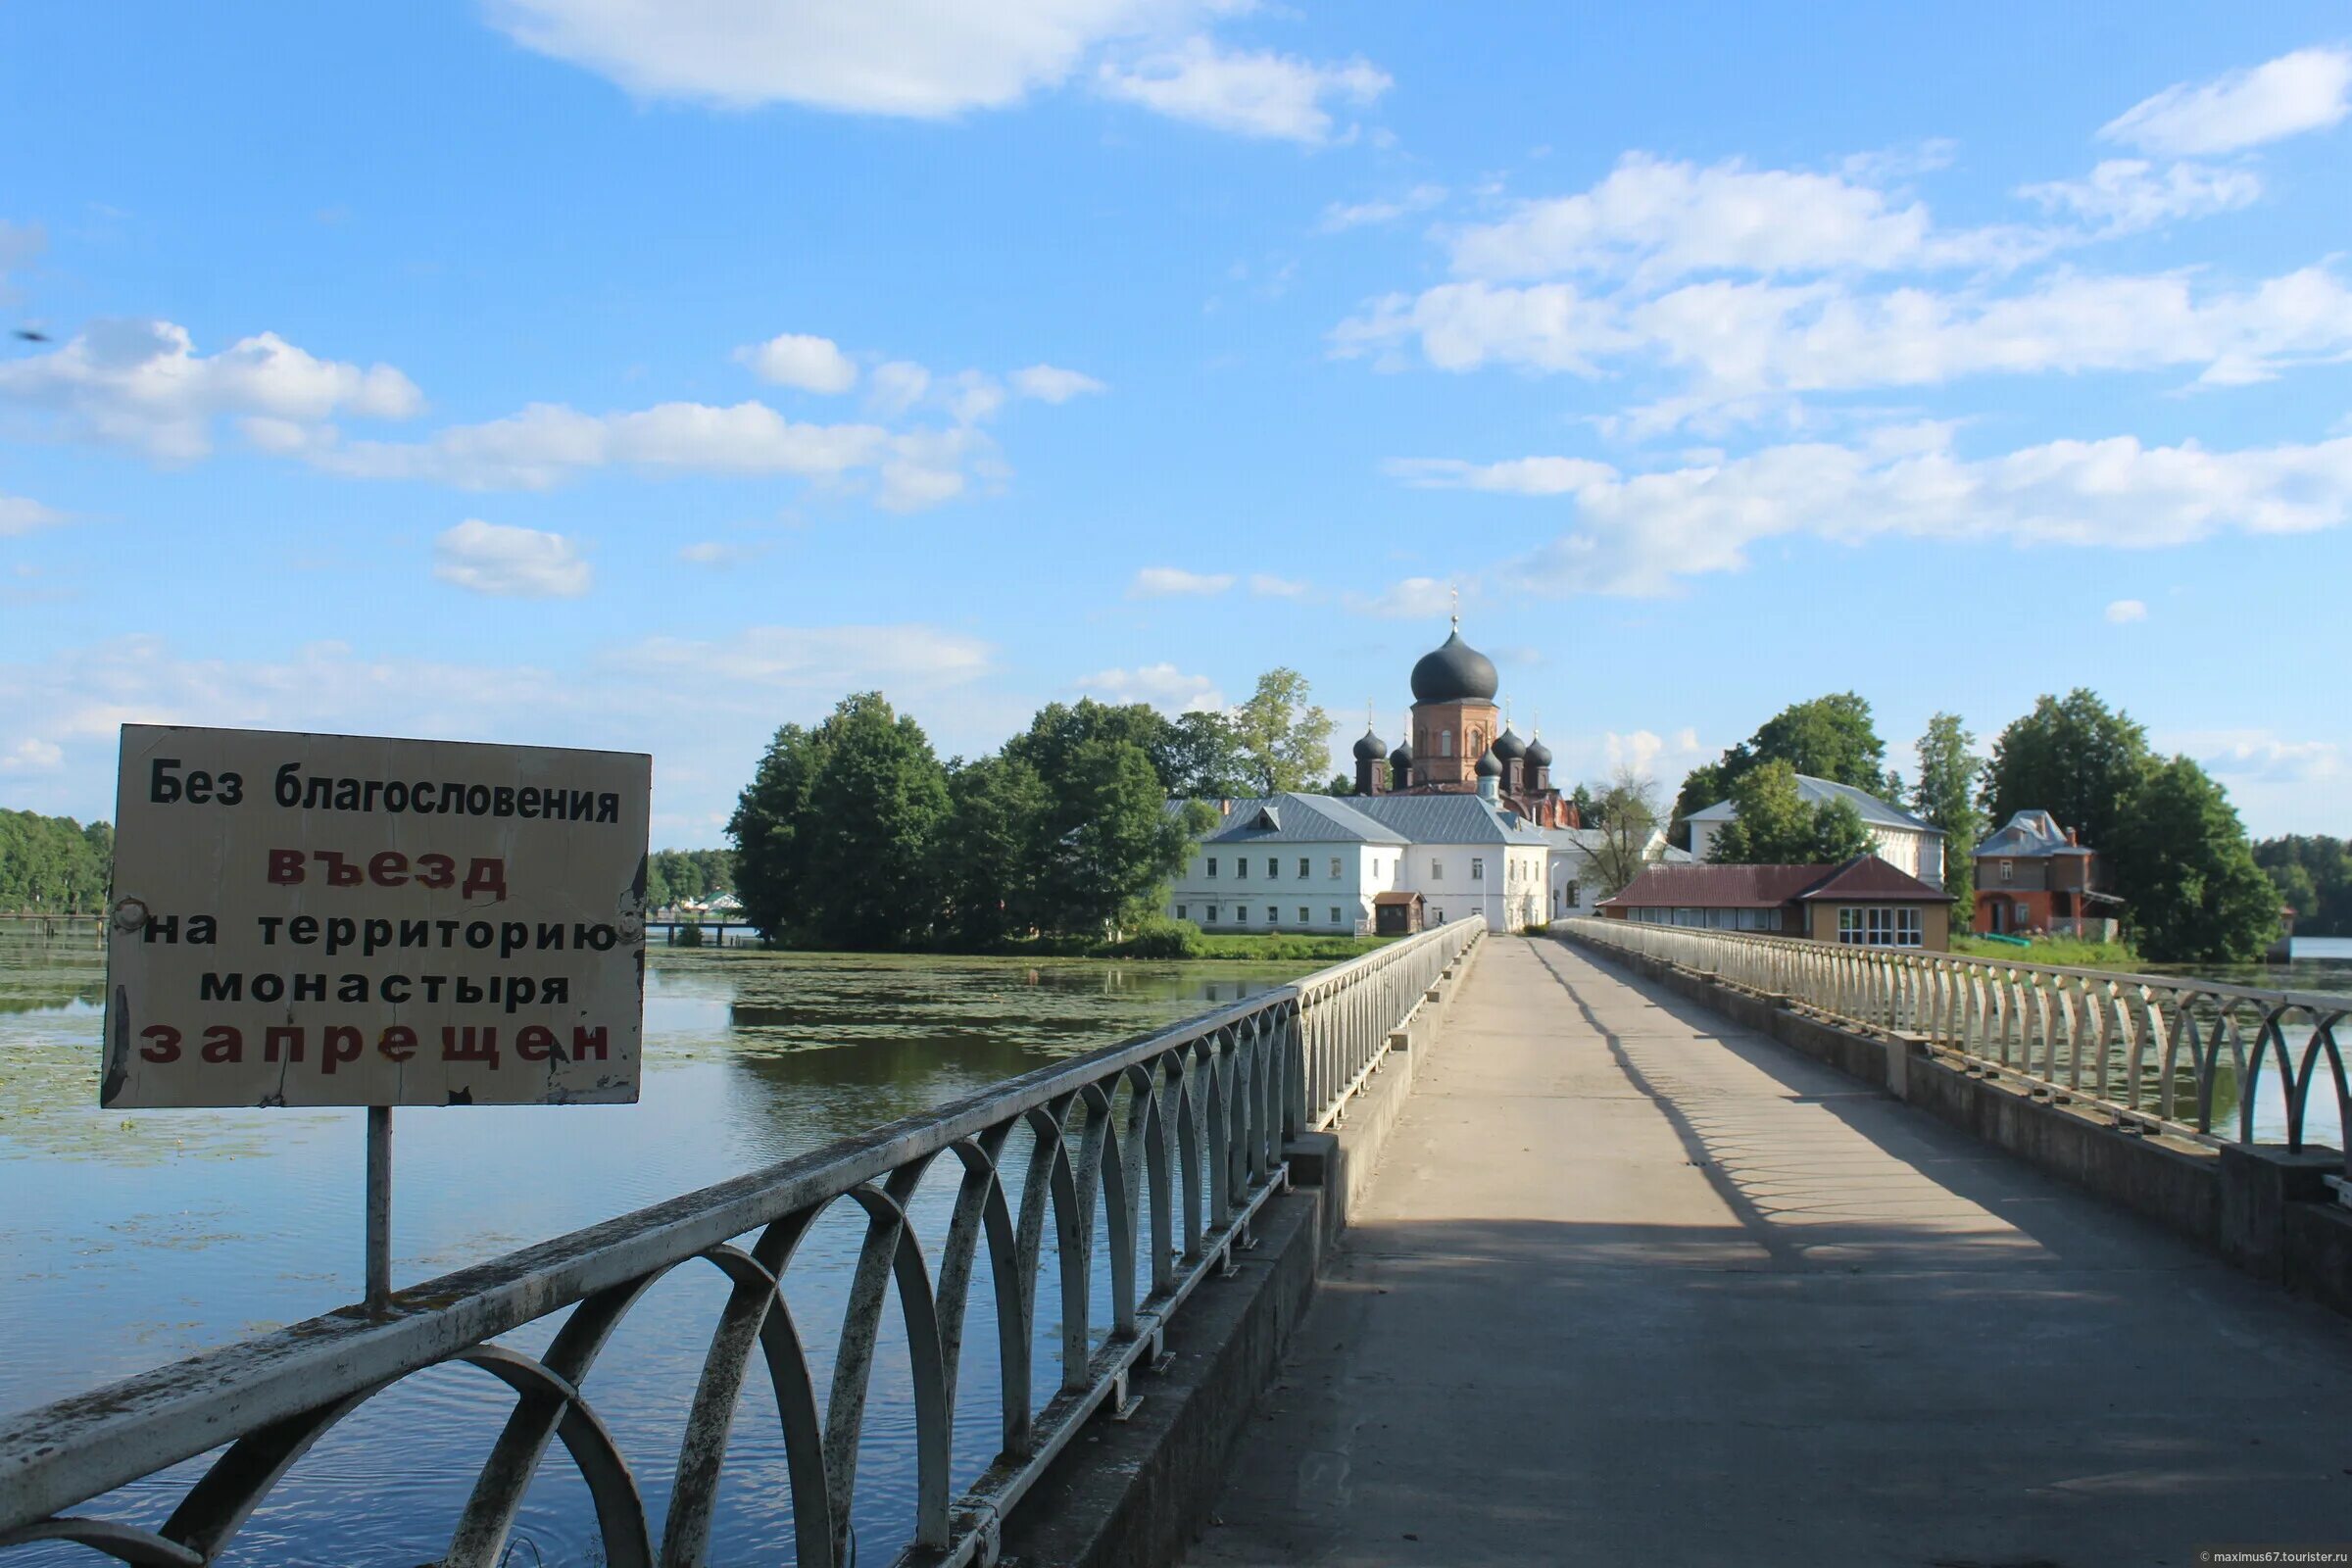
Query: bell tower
{"type": "Point", "coordinates": [1453, 712]}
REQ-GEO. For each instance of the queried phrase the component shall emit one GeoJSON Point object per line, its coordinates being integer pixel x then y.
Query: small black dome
{"type": "Point", "coordinates": [1402, 755]}
{"type": "Point", "coordinates": [1508, 745]}
{"type": "Point", "coordinates": [1538, 755]}
{"type": "Point", "coordinates": [1457, 672]}
{"type": "Point", "coordinates": [1370, 748]}
{"type": "Point", "coordinates": [1488, 767]}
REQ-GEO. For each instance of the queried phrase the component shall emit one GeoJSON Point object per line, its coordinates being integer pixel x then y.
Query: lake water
{"type": "Point", "coordinates": [127, 1240]}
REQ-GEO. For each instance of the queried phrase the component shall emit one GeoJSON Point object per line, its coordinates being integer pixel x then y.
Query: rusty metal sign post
{"type": "Point", "coordinates": [354, 920]}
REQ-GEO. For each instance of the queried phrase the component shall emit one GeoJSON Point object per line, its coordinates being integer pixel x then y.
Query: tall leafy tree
{"type": "Point", "coordinates": [1061, 728]}
{"type": "Point", "coordinates": [1115, 843]}
{"type": "Point", "coordinates": [1778, 826]}
{"type": "Point", "coordinates": [2313, 873]}
{"type": "Point", "coordinates": [1626, 815]}
{"type": "Point", "coordinates": [54, 865]}
{"type": "Point", "coordinates": [1202, 758]}
{"type": "Point", "coordinates": [2181, 859]}
{"type": "Point", "coordinates": [774, 829]}
{"type": "Point", "coordinates": [1286, 738]}
{"type": "Point", "coordinates": [1948, 774]}
{"type": "Point", "coordinates": [1587, 804]}
{"type": "Point", "coordinates": [1832, 737]}
{"type": "Point", "coordinates": [879, 808]}
{"type": "Point", "coordinates": [2072, 756]}
{"type": "Point", "coordinates": [991, 861]}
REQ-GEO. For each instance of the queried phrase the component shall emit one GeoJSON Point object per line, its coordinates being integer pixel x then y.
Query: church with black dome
{"type": "Point", "coordinates": [1454, 744]}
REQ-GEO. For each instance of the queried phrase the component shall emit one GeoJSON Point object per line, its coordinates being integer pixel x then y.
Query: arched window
{"type": "Point", "coordinates": [1444, 742]}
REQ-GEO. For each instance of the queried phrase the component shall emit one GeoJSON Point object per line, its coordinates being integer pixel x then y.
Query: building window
{"type": "Point", "coordinates": [1212, 868]}
{"type": "Point", "coordinates": [1444, 742]}
{"type": "Point", "coordinates": [1241, 914]}
{"type": "Point", "coordinates": [2008, 870]}
{"type": "Point", "coordinates": [1180, 915]}
{"type": "Point", "coordinates": [1335, 915]}
{"type": "Point", "coordinates": [1436, 869]}
{"type": "Point", "coordinates": [1241, 868]}
{"type": "Point", "coordinates": [1304, 917]}
{"type": "Point", "coordinates": [1212, 912]}
{"type": "Point", "coordinates": [1880, 926]}
{"type": "Point", "coordinates": [1273, 869]}
{"type": "Point", "coordinates": [1575, 895]}
{"type": "Point", "coordinates": [1302, 871]}
{"type": "Point", "coordinates": [1334, 869]}
{"type": "Point", "coordinates": [1477, 868]}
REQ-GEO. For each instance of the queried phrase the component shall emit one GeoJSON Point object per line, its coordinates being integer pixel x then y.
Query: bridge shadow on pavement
{"type": "Point", "coordinates": [1634, 1286]}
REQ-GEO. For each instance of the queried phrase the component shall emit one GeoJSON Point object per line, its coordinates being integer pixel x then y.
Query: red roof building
{"type": "Point", "coordinates": [1863, 903]}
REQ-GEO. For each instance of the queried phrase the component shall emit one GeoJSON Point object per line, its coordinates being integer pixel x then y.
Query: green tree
{"type": "Point", "coordinates": [774, 829]}
{"type": "Point", "coordinates": [1061, 728]}
{"type": "Point", "coordinates": [2073, 758]}
{"type": "Point", "coordinates": [880, 804]}
{"type": "Point", "coordinates": [1285, 740]}
{"type": "Point", "coordinates": [990, 863]}
{"type": "Point", "coordinates": [1115, 842]}
{"type": "Point", "coordinates": [1946, 796]}
{"type": "Point", "coordinates": [1202, 758]}
{"type": "Point", "coordinates": [1776, 825]}
{"type": "Point", "coordinates": [2181, 861]}
{"type": "Point", "coordinates": [54, 865]}
{"type": "Point", "coordinates": [1626, 816]}
{"type": "Point", "coordinates": [1588, 804]}
{"type": "Point", "coordinates": [1341, 784]}
{"type": "Point", "coordinates": [2313, 873]}
{"type": "Point", "coordinates": [1829, 737]}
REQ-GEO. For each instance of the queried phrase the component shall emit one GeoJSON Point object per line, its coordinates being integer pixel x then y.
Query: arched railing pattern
{"type": "Point", "coordinates": [1177, 1136]}
{"type": "Point", "coordinates": [2151, 1051]}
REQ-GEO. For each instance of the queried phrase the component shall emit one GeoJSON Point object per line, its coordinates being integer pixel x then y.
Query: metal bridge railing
{"type": "Point", "coordinates": [2152, 1050]}
{"type": "Point", "coordinates": [1178, 1136]}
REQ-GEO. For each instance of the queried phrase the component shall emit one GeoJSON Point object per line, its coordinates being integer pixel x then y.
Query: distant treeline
{"type": "Point", "coordinates": [53, 865]}
{"type": "Point", "coordinates": [2313, 873]}
{"type": "Point", "coordinates": [675, 875]}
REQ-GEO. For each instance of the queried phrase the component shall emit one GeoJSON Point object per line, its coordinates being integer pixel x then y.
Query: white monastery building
{"type": "Point", "coordinates": [1910, 844]}
{"type": "Point", "coordinates": [1460, 819]}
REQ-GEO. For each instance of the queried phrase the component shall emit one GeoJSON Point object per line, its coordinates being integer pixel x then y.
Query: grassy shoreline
{"type": "Point", "coordinates": [2072, 952]}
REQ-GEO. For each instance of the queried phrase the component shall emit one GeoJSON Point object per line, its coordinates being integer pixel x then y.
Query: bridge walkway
{"type": "Point", "coordinates": [1633, 1286]}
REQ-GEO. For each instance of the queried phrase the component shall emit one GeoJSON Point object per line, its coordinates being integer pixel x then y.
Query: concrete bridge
{"type": "Point", "coordinates": [1651, 1245]}
{"type": "Point", "coordinates": [1633, 1284]}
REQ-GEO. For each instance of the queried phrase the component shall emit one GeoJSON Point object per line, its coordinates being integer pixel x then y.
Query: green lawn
{"type": "Point", "coordinates": [2069, 951]}
{"type": "Point", "coordinates": [1282, 946]}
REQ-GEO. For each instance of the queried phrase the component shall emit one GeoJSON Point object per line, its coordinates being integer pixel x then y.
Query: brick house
{"type": "Point", "coordinates": [2033, 876]}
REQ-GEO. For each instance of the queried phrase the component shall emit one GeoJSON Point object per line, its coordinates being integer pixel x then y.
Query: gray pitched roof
{"type": "Point", "coordinates": [1820, 792]}
{"type": "Point", "coordinates": [1448, 819]}
{"type": "Point", "coordinates": [1294, 817]}
{"type": "Point", "coordinates": [2029, 834]}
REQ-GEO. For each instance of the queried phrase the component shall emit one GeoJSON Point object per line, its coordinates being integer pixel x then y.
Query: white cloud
{"type": "Point", "coordinates": [1412, 598]}
{"type": "Point", "coordinates": [1265, 585]}
{"type": "Point", "coordinates": [1339, 216]}
{"type": "Point", "coordinates": [897, 386]}
{"type": "Point", "coordinates": [1168, 582]}
{"type": "Point", "coordinates": [547, 443]}
{"type": "Point", "coordinates": [143, 384]}
{"type": "Point", "coordinates": [1164, 686]}
{"type": "Point", "coordinates": [1654, 219]}
{"type": "Point", "coordinates": [2124, 612]}
{"type": "Point", "coordinates": [926, 58]}
{"type": "Point", "coordinates": [1639, 533]}
{"type": "Point", "coordinates": [20, 514]}
{"type": "Point", "coordinates": [811, 364]}
{"type": "Point", "coordinates": [2123, 195]}
{"type": "Point", "coordinates": [713, 554]}
{"type": "Point", "coordinates": [827, 659]}
{"type": "Point", "coordinates": [1739, 340]}
{"type": "Point", "coordinates": [1049, 383]}
{"type": "Point", "coordinates": [2257, 755]}
{"type": "Point", "coordinates": [489, 557]}
{"type": "Point", "coordinates": [2309, 89]}
{"type": "Point", "coordinates": [1643, 749]}
{"type": "Point", "coordinates": [33, 755]}
{"type": "Point", "coordinates": [973, 396]}
{"type": "Point", "coordinates": [1526, 476]}
{"type": "Point", "coordinates": [1251, 94]}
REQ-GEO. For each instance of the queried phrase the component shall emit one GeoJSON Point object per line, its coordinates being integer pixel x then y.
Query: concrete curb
{"type": "Point", "coordinates": [2265, 1210]}
{"type": "Point", "coordinates": [1136, 1494]}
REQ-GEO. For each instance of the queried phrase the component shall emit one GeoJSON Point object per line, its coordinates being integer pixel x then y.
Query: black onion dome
{"type": "Point", "coordinates": [1457, 672]}
{"type": "Point", "coordinates": [1402, 755]}
{"type": "Point", "coordinates": [1508, 745]}
{"type": "Point", "coordinates": [1488, 767]}
{"type": "Point", "coordinates": [1369, 748]}
{"type": "Point", "coordinates": [1538, 755]}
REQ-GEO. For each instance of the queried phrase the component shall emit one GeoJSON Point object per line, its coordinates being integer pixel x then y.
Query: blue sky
{"type": "Point", "coordinates": [598, 373]}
